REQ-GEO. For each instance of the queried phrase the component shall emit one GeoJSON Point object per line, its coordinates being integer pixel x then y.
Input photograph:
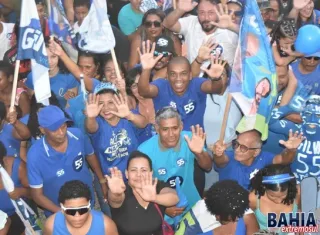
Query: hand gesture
{"type": "Point", "coordinates": [300, 4]}
{"type": "Point", "coordinates": [93, 108]}
{"type": "Point", "coordinates": [69, 95]}
{"type": "Point", "coordinates": [198, 138]}
{"type": "Point", "coordinates": [290, 52]}
{"type": "Point", "coordinates": [121, 84]}
{"type": "Point", "coordinates": [174, 211]}
{"type": "Point", "coordinates": [186, 5]}
{"type": "Point", "coordinates": [294, 140]}
{"type": "Point", "coordinates": [205, 49]}
{"type": "Point", "coordinates": [55, 48]}
{"type": "Point", "coordinates": [216, 69]}
{"type": "Point", "coordinates": [12, 116]}
{"type": "Point", "coordinates": [219, 148]}
{"type": "Point", "coordinates": [148, 190]}
{"type": "Point", "coordinates": [147, 59]}
{"type": "Point", "coordinates": [224, 19]}
{"type": "Point", "coordinates": [121, 103]}
{"type": "Point", "coordinates": [15, 194]}
{"type": "Point", "coordinates": [115, 181]}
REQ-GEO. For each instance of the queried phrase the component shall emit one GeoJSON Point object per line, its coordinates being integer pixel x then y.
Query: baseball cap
{"type": "Point", "coordinates": [264, 4]}
{"type": "Point", "coordinates": [235, 2]}
{"type": "Point", "coordinates": [105, 86]}
{"type": "Point", "coordinates": [317, 54]}
{"type": "Point", "coordinates": [164, 43]}
{"type": "Point", "coordinates": [51, 117]}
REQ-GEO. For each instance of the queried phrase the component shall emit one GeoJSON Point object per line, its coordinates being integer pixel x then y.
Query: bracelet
{"type": "Point", "coordinates": [197, 60]}
{"type": "Point", "coordinates": [103, 181]}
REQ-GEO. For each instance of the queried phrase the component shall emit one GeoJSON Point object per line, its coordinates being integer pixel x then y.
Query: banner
{"type": "Point", "coordinates": [253, 82]}
{"type": "Point", "coordinates": [96, 33]}
{"type": "Point", "coordinates": [31, 46]}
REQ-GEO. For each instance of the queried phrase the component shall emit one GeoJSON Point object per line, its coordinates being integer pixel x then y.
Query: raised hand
{"type": "Point", "coordinates": [219, 148]}
{"type": "Point", "coordinates": [147, 59]}
{"type": "Point", "coordinates": [300, 4]}
{"type": "Point", "coordinates": [121, 103]}
{"type": "Point", "coordinates": [224, 19]}
{"type": "Point", "coordinates": [55, 48]}
{"type": "Point", "coordinates": [293, 141]}
{"type": "Point", "coordinates": [93, 108]}
{"type": "Point", "coordinates": [186, 5]}
{"type": "Point", "coordinates": [115, 181]}
{"type": "Point", "coordinates": [148, 190]}
{"type": "Point", "coordinates": [196, 143]}
{"type": "Point", "coordinates": [216, 69]}
{"type": "Point", "coordinates": [206, 49]}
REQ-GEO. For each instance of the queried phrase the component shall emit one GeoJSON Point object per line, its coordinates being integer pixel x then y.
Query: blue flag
{"type": "Point", "coordinates": [253, 82]}
{"type": "Point", "coordinates": [31, 46]}
{"type": "Point", "coordinates": [59, 25]}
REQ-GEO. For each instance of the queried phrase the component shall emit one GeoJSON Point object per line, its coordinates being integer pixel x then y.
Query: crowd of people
{"type": "Point", "coordinates": [143, 155]}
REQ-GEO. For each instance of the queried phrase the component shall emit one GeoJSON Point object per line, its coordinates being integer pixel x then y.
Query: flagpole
{"type": "Point", "coordinates": [174, 4]}
{"type": "Point", "coordinates": [115, 62]}
{"type": "Point", "coordinates": [225, 118]}
{"type": "Point", "coordinates": [15, 84]}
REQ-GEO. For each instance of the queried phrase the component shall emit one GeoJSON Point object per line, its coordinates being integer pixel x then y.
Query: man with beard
{"type": "Point", "coordinates": [307, 161]}
{"type": "Point", "coordinates": [197, 29]}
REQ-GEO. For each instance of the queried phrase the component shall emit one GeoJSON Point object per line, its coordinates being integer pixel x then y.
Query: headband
{"type": "Point", "coordinates": [277, 179]}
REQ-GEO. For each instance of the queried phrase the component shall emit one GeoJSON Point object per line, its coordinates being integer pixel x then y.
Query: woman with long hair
{"type": "Point", "coordinates": [273, 189]}
{"type": "Point", "coordinates": [152, 27]}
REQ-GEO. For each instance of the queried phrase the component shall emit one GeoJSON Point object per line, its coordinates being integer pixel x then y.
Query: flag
{"type": "Point", "coordinates": [31, 46]}
{"type": "Point", "coordinates": [96, 33]}
{"type": "Point", "coordinates": [253, 83]}
{"type": "Point", "coordinates": [26, 214]}
{"type": "Point", "coordinates": [59, 25]}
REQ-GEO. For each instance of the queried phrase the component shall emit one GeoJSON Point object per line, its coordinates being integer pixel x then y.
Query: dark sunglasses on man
{"type": "Point", "coordinates": [156, 24]}
{"type": "Point", "coordinates": [73, 211]}
{"type": "Point", "coordinates": [243, 148]}
{"type": "Point", "coordinates": [164, 53]}
{"type": "Point", "coordinates": [236, 13]}
{"type": "Point", "coordinates": [310, 58]}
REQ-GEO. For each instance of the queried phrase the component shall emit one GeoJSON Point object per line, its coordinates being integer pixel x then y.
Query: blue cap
{"type": "Point", "coordinates": [105, 86]}
{"type": "Point", "coordinates": [51, 117]}
{"type": "Point", "coordinates": [317, 54]}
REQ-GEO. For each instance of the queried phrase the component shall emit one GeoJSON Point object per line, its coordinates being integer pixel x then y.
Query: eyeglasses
{"type": "Point", "coordinates": [164, 53]}
{"type": "Point", "coordinates": [156, 24]}
{"type": "Point", "coordinates": [243, 148]}
{"type": "Point", "coordinates": [236, 13]}
{"type": "Point", "coordinates": [310, 58]}
{"type": "Point", "coordinates": [73, 211]}
{"type": "Point", "coordinates": [164, 109]}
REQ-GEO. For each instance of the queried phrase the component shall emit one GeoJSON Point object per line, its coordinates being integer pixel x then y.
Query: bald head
{"type": "Point", "coordinates": [180, 60]}
{"type": "Point", "coordinates": [252, 136]}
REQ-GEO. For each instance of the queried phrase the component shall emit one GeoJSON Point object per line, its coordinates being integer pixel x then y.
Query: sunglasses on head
{"type": "Point", "coordinates": [156, 24]}
{"type": "Point", "coordinates": [73, 211]}
{"type": "Point", "coordinates": [243, 148]}
{"type": "Point", "coordinates": [164, 53]}
{"type": "Point", "coordinates": [310, 58]}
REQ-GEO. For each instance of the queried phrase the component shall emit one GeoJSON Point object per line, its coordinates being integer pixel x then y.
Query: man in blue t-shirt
{"type": "Point", "coordinates": [180, 90]}
{"type": "Point", "coordinates": [59, 157]}
{"type": "Point", "coordinates": [247, 158]}
{"type": "Point", "coordinates": [173, 153]}
{"type": "Point", "coordinates": [307, 71]}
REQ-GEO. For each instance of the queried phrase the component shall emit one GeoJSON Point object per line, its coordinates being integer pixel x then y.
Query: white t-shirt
{"type": "Point", "coordinates": [194, 36]}
{"type": "Point", "coordinates": [213, 117]}
{"type": "Point", "coordinates": [5, 38]}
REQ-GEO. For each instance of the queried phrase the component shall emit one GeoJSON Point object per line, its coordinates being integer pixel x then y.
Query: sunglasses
{"type": "Point", "coordinates": [73, 211]}
{"type": "Point", "coordinates": [156, 24]}
{"type": "Point", "coordinates": [310, 58]}
{"type": "Point", "coordinates": [164, 53]}
{"type": "Point", "coordinates": [243, 148]}
{"type": "Point", "coordinates": [236, 13]}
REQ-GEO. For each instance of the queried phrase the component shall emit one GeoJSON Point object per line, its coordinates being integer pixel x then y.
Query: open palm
{"type": "Point", "coordinates": [92, 106]}
{"type": "Point", "coordinates": [299, 4]}
{"type": "Point", "coordinates": [186, 5]}
{"type": "Point", "coordinates": [121, 104]}
{"type": "Point", "coordinates": [148, 190]}
{"type": "Point", "coordinates": [217, 67]}
{"type": "Point", "coordinates": [115, 181]}
{"type": "Point", "coordinates": [147, 59]}
{"type": "Point", "coordinates": [224, 19]}
{"type": "Point", "coordinates": [196, 143]}
{"type": "Point", "coordinates": [294, 140]}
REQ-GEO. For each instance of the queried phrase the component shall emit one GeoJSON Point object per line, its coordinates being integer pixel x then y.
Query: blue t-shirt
{"type": "Point", "coordinates": [11, 144]}
{"type": "Point", "coordinates": [49, 169]}
{"type": "Point", "coordinates": [113, 144]}
{"type": "Point", "coordinates": [129, 20]}
{"type": "Point", "coordinates": [59, 85]}
{"type": "Point", "coordinates": [97, 224]}
{"type": "Point", "coordinates": [234, 170]}
{"type": "Point", "coordinates": [310, 81]}
{"type": "Point", "coordinates": [191, 105]}
{"type": "Point", "coordinates": [5, 201]}
{"type": "Point", "coordinates": [170, 163]}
